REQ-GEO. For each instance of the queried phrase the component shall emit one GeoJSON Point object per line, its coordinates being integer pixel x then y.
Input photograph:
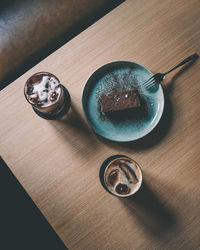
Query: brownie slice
{"type": "Point", "coordinates": [118, 101]}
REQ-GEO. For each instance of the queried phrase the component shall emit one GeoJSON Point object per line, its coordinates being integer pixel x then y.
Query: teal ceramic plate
{"type": "Point", "coordinates": [120, 76]}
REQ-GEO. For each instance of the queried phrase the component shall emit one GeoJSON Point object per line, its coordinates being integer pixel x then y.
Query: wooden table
{"type": "Point", "coordinates": [58, 162]}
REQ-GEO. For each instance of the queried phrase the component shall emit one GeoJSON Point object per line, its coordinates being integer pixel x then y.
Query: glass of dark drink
{"type": "Point", "coordinates": [48, 97]}
{"type": "Point", "coordinates": [121, 176]}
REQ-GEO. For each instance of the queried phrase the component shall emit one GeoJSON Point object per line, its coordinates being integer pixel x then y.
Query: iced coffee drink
{"type": "Point", "coordinates": [122, 177]}
{"type": "Point", "coordinates": [45, 93]}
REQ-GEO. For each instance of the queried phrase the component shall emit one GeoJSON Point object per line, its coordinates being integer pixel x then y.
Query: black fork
{"type": "Point", "coordinates": [157, 78]}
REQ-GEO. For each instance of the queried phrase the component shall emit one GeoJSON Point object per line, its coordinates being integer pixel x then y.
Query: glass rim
{"type": "Point", "coordinates": [137, 165]}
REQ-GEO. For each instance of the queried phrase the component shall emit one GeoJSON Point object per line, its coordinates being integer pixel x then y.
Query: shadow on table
{"type": "Point", "coordinates": [163, 127]}
{"type": "Point", "coordinates": [75, 130]}
{"type": "Point", "coordinates": [73, 119]}
{"type": "Point", "coordinates": [156, 217]}
{"type": "Point", "coordinates": [22, 224]}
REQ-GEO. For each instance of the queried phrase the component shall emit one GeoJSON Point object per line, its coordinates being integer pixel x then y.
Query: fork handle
{"type": "Point", "coordinates": [190, 58]}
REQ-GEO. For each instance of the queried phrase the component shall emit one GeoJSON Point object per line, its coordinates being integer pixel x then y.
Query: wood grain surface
{"type": "Point", "coordinates": [58, 162]}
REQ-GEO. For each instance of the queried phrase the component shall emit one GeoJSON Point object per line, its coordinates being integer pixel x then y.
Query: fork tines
{"type": "Point", "coordinates": [150, 82]}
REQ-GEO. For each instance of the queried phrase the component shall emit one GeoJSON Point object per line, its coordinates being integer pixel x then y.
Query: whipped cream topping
{"type": "Point", "coordinates": [43, 89]}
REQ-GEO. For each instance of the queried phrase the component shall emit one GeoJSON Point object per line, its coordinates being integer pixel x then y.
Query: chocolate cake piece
{"type": "Point", "coordinates": [119, 101]}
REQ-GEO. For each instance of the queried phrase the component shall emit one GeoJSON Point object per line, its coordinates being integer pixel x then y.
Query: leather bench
{"type": "Point", "coordinates": [32, 29]}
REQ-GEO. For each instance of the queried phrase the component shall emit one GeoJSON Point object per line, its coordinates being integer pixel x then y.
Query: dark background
{"type": "Point", "coordinates": [22, 225]}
